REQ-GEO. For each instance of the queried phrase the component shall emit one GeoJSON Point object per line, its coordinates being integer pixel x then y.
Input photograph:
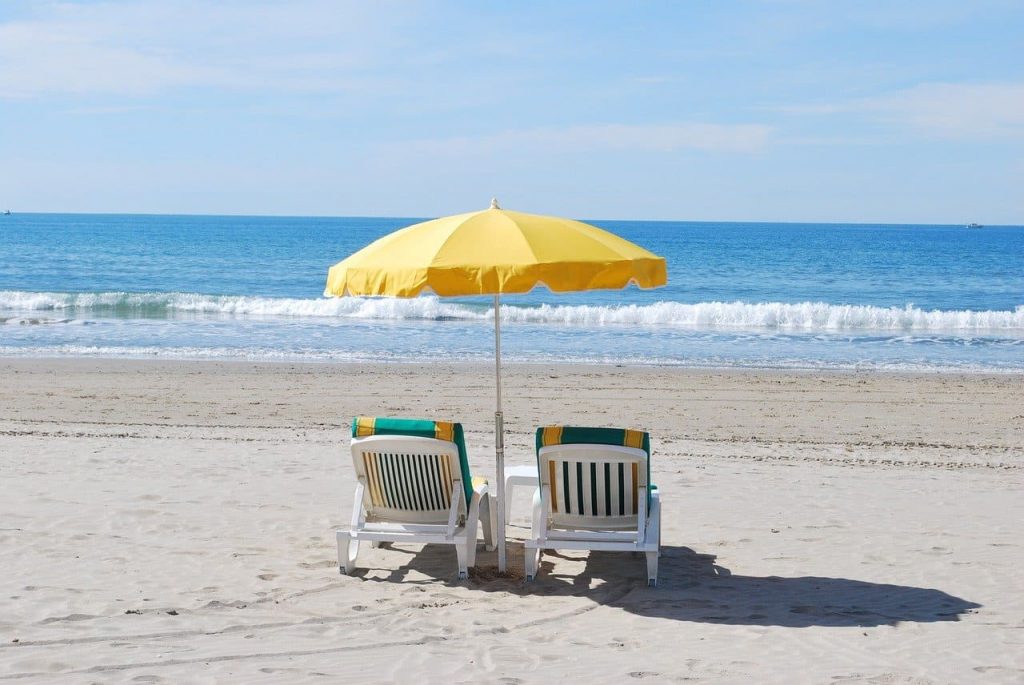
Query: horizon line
{"type": "Point", "coordinates": [590, 220]}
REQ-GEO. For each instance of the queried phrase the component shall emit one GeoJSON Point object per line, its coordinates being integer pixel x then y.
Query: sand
{"type": "Point", "coordinates": [174, 522]}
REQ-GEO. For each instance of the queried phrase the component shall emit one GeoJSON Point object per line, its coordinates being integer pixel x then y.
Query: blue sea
{"type": "Point", "coordinates": [752, 295]}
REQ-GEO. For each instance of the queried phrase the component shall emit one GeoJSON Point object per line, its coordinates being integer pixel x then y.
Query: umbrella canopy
{"type": "Point", "coordinates": [489, 253]}
{"type": "Point", "coordinates": [492, 252]}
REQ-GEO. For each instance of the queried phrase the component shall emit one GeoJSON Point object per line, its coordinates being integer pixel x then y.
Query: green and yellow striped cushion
{"type": "Point", "coordinates": [363, 426]}
{"type": "Point", "coordinates": [576, 435]}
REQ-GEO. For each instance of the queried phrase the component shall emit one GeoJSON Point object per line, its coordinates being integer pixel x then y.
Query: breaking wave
{"type": "Point", "coordinates": [763, 315]}
{"type": "Point", "coordinates": [776, 315]}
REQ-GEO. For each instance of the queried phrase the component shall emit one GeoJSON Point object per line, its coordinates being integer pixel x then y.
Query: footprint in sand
{"type": "Point", "coordinates": [140, 513]}
{"type": "Point", "coordinates": [71, 617]}
{"type": "Point", "coordinates": [326, 563]}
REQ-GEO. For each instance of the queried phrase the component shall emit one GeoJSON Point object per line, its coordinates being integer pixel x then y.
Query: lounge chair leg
{"type": "Point", "coordinates": [652, 568]}
{"type": "Point", "coordinates": [471, 550]}
{"type": "Point", "coordinates": [654, 531]}
{"type": "Point", "coordinates": [348, 552]}
{"type": "Point", "coordinates": [462, 554]}
{"type": "Point", "coordinates": [487, 515]}
{"type": "Point", "coordinates": [341, 557]}
{"type": "Point", "coordinates": [532, 558]}
{"type": "Point", "coordinates": [477, 508]}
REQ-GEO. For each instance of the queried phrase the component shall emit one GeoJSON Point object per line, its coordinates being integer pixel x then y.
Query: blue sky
{"type": "Point", "coordinates": [775, 111]}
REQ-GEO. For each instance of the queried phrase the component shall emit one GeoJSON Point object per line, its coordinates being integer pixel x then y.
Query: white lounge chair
{"type": "Point", "coordinates": [594, 494]}
{"type": "Point", "coordinates": [414, 485]}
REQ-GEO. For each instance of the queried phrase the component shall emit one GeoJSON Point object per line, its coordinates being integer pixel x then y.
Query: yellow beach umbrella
{"type": "Point", "coordinates": [495, 252]}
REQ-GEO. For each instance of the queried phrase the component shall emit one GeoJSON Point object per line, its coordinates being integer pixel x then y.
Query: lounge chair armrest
{"type": "Point", "coordinates": [480, 486]}
{"type": "Point", "coordinates": [453, 511]}
{"type": "Point", "coordinates": [357, 506]}
{"type": "Point", "coordinates": [641, 513]}
{"type": "Point", "coordinates": [542, 507]}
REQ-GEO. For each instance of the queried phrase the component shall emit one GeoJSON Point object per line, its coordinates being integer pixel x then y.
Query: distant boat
{"type": "Point", "coordinates": [973, 225]}
{"type": "Point", "coordinates": [7, 213]}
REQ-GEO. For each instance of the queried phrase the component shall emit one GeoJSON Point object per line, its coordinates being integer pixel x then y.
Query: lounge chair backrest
{"type": "Point", "coordinates": [593, 473]}
{"type": "Point", "coordinates": [409, 466]}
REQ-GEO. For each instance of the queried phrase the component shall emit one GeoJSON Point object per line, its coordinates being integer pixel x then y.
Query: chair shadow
{"type": "Point", "coordinates": [692, 587]}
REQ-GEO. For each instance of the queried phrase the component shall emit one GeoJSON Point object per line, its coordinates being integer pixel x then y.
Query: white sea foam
{"type": "Point", "coordinates": [189, 352]}
{"type": "Point", "coordinates": [156, 303]}
{"type": "Point", "coordinates": [802, 316]}
{"type": "Point", "coordinates": [257, 354]}
{"type": "Point", "coordinates": [774, 315]}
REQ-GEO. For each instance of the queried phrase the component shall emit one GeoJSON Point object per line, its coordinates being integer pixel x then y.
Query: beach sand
{"type": "Point", "coordinates": [174, 522]}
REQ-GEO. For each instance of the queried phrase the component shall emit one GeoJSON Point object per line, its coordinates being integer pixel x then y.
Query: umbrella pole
{"type": "Point", "coordinates": [499, 436]}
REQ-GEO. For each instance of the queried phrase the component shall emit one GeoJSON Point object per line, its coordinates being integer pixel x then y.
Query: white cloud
{"type": "Point", "coordinates": [740, 138]}
{"type": "Point", "coordinates": [956, 111]}
{"type": "Point", "coordinates": [953, 111]}
{"type": "Point", "coordinates": [61, 59]}
{"type": "Point", "coordinates": [143, 48]}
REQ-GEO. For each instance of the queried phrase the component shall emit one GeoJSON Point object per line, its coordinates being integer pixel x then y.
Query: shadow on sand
{"type": "Point", "coordinates": [692, 587]}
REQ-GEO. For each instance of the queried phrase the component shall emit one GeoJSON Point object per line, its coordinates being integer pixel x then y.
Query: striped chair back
{"type": "Point", "coordinates": [409, 467]}
{"type": "Point", "coordinates": [593, 473]}
{"type": "Point", "coordinates": [586, 486]}
{"type": "Point", "coordinates": [410, 478]}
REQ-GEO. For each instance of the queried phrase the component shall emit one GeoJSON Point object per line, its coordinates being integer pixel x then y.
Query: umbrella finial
{"type": "Point", "coordinates": [494, 203]}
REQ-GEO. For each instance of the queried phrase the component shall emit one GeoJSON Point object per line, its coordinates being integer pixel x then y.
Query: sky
{"type": "Point", "coordinates": [882, 112]}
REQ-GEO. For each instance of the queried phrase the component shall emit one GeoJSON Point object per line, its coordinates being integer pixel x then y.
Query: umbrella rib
{"type": "Point", "coordinates": [494, 266]}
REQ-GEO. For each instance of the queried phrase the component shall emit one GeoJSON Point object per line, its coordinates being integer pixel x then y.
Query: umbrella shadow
{"type": "Point", "coordinates": [693, 587]}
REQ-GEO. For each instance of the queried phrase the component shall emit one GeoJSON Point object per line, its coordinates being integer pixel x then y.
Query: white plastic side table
{"type": "Point", "coordinates": [518, 475]}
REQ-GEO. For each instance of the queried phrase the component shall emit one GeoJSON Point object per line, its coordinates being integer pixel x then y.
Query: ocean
{"type": "Point", "coordinates": [739, 295]}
